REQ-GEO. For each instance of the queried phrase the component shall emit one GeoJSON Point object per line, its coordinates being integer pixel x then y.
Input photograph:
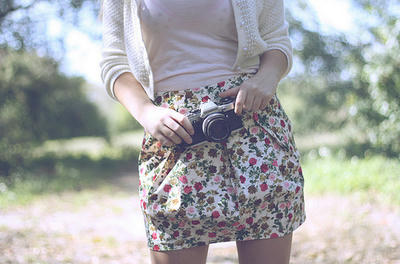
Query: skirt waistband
{"type": "Point", "coordinates": [210, 91]}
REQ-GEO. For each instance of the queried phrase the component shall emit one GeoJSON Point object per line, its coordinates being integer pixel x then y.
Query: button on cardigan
{"type": "Point", "coordinates": [260, 24]}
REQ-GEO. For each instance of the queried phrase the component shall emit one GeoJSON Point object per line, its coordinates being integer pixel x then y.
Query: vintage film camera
{"type": "Point", "coordinates": [213, 122]}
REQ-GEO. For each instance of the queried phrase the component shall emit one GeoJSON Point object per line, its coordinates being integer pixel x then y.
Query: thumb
{"type": "Point", "coordinates": [231, 92]}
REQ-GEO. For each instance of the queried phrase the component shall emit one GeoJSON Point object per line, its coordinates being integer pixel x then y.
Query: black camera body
{"type": "Point", "coordinates": [213, 122]}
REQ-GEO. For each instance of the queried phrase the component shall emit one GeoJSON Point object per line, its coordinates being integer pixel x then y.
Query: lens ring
{"type": "Point", "coordinates": [215, 122]}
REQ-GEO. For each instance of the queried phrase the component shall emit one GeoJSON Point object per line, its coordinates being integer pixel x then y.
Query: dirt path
{"type": "Point", "coordinates": [107, 227]}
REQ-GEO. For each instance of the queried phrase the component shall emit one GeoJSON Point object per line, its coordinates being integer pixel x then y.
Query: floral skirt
{"type": "Point", "coordinates": [247, 187]}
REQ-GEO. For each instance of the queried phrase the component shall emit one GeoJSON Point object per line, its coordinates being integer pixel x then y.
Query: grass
{"type": "Point", "coordinates": [374, 177]}
{"type": "Point", "coordinates": [31, 186]}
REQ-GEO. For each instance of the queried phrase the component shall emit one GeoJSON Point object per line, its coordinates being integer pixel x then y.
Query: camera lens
{"type": "Point", "coordinates": [215, 127]}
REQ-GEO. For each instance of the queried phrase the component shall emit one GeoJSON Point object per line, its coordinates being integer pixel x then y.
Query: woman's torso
{"type": "Point", "coordinates": [189, 43]}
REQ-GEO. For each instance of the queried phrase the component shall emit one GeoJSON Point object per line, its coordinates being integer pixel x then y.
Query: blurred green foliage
{"type": "Point", "coordinates": [354, 85]}
{"type": "Point", "coordinates": [123, 121]}
{"type": "Point", "coordinates": [37, 103]}
{"type": "Point", "coordinates": [22, 28]}
{"type": "Point", "coordinates": [375, 96]}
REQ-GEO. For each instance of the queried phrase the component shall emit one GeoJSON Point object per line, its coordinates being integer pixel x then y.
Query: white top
{"type": "Point", "coordinates": [189, 43]}
{"type": "Point", "coordinates": [260, 25]}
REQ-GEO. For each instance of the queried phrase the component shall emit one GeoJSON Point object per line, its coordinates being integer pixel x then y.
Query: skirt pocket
{"type": "Point", "coordinates": [274, 121]}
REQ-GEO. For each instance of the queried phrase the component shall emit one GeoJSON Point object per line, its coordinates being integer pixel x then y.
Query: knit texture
{"type": "Point", "coordinates": [260, 24]}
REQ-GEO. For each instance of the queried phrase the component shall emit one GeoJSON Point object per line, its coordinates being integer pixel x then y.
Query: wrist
{"type": "Point", "coordinates": [265, 78]}
{"type": "Point", "coordinates": [142, 109]}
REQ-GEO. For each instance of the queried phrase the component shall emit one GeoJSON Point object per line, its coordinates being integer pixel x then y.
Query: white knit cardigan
{"type": "Point", "coordinates": [261, 26]}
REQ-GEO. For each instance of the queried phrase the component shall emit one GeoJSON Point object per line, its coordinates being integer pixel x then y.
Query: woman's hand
{"type": "Point", "coordinates": [252, 94]}
{"type": "Point", "coordinates": [167, 125]}
{"type": "Point", "coordinates": [255, 93]}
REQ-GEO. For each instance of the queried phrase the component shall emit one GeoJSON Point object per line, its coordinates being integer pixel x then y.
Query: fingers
{"type": "Point", "coordinates": [264, 103]}
{"type": "Point", "coordinates": [163, 139]}
{"type": "Point", "coordinates": [183, 121]}
{"type": "Point", "coordinates": [239, 102]}
{"type": "Point", "coordinates": [176, 132]}
{"type": "Point", "coordinates": [256, 103]}
{"type": "Point", "coordinates": [230, 92]}
{"type": "Point", "coordinates": [251, 98]}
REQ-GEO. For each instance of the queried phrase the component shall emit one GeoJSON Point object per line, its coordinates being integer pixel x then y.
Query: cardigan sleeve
{"type": "Point", "coordinates": [274, 30]}
{"type": "Point", "coordinates": [114, 61]}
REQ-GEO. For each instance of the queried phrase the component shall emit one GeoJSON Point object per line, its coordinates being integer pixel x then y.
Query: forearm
{"type": "Point", "coordinates": [132, 96]}
{"type": "Point", "coordinates": [273, 64]}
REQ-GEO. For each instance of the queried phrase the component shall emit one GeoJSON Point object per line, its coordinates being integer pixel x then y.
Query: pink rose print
{"type": "Point", "coordinates": [282, 205]}
{"type": "Point", "coordinates": [274, 235]}
{"type": "Point", "coordinates": [286, 185]}
{"type": "Point", "coordinates": [217, 178]}
{"type": "Point", "coordinates": [221, 84]}
{"type": "Point", "coordinates": [252, 161]}
{"type": "Point", "coordinates": [264, 187]}
{"type": "Point", "coordinates": [187, 189]}
{"type": "Point", "coordinates": [297, 189]}
{"type": "Point", "coordinates": [188, 156]}
{"type": "Point", "coordinates": [156, 248]}
{"type": "Point", "coordinates": [167, 188]}
{"type": "Point", "coordinates": [264, 167]}
{"type": "Point", "coordinates": [272, 121]}
{"type": "Point", "coordinates": [255, 116]}
{"type": "Point", "coordinates": [240, 227]}
{"type": "Point", "coordinates": [254, 130]}
{"type": "Point", "coordinates": [205, 99]}
{"type": "Point", "coordinates": [285, 138]}
{"type": "Point", "coordinates": [196, 89]}
{"type": "Point", "coordinates": [290, 215]}
{"type": "Point", "coordinates": [221, 224]}
{"type": "Point", "coordinates": [155, 206]}
{"type": "Point", "coordinates": [182, 223]}
{"type": "Point", "coordinates": [283, 123]}
{"type": "Point", "coordinates": [276, 146]}
{"type": "Point", "coordinates": [225, 232]}
{"type": "Point", "coordinates": [198, 186]}
{"type": "Point", "coordinates": [249, 220]}
{"type": "Point", "coordinates": [183, 179]}
{"type": "Point", "coordinates": [263, 205]}
{"type": "Point", "coordinates": [215, 214]}
{"type": "Point", "coordinates": [272, 177]}
{"type": "Point", "coordinates": [213, 234]}
{"type": "Point", "coordinates": [195, 222]}
{"type": "Point", "coordinates": [275, 163]}
{"type": "Point", "coordinates": [165, 105]}
{"type": "Point", "coordinates": [176, 233]}
{"type": "Point", "coordinates": [154, 235]}
{"type": "Point", "coordinates": [190, 210]}
{"type": "Point", "coordinates": [242, 179]}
